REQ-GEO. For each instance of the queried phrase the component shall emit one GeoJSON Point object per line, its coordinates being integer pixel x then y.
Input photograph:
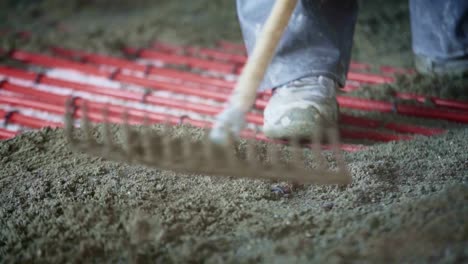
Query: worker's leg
{"type": "Point", "coordinates": [310, 63]}
{"type": "Point", "coordinates": [317, 41]}
{"type": "Point", "coordinates": [440, 35]}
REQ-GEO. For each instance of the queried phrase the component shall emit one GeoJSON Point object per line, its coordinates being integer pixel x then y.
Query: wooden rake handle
{"type": "Point", "coordinates": [254, 71]}
{"type": "Point", "coordinates": [232, 120]}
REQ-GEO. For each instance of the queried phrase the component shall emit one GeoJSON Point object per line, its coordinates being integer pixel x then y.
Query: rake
{"type": "Point", "coordinates": [219, 154]}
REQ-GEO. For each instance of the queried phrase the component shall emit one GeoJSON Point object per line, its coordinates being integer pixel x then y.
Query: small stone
{"type": "Point", "coordinates": [328, 206]}
{"type": "Point", "coordinates": [282, 190]}
{"type": "Point", "coordinates": [159, 187]}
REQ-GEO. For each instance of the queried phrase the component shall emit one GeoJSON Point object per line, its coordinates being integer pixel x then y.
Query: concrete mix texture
{"type": "Point", "coordinates": [408, 202]}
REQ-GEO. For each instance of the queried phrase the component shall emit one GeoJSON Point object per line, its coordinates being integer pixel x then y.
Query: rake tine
{"type": "Point", "coordinates": [250, 151]}
{"type": "Point", "coordinates": [317, 148]}
{"type": "Point", "coordinates": [250, 157]}
{"type": "Point", "coordinates": [208, 151]}
{"type": "Point", "coordinates": [186, 145]}
{"type": "Point", "coordinates": [166, 144]}
{"type": "Point", "coordinates": [274, 154]}
{"type": "Point", "coordinates": [107, 134]}
{"type": "Point", "coordinates": [297, 154]}
{"type": "Point", "coordinates": [127, 138]}
{"type": "Point", "coordinates": [68, 121]}
{"type": "Point", "coordinates": [340, 162]}
{"type": "Point", "coordinates": [85, 124]}
{"type": "Point", "coordinates": [146, 135]}
{"type": "Point", "coordinates": [148, 145]}
{"type": "Point", "coordinates": [230, 154]}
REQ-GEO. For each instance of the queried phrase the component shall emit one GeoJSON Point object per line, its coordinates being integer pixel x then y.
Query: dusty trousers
{"type": "Point", "coordinates": [319, 37]}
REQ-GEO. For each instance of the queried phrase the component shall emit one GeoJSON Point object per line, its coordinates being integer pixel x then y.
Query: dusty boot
{"type": "Point", "coordinates": [297, 109]}
{"type": "Point", "coordinates": [428, 66]}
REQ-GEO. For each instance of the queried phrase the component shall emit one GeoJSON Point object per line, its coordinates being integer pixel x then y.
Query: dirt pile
{"type": "Point", "coordinates": [408, 202]}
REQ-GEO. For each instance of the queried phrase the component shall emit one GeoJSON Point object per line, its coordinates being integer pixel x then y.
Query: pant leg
{"type": "Point", "coordinates": [439, 28]}
{"type": "Point", "coordinates": [317, 41]}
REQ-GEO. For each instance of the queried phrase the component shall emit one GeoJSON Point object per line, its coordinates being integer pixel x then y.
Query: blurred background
{"type": "Point", "coordinates": [382, 34]}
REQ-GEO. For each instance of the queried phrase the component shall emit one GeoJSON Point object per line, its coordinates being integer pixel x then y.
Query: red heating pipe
{"type": "Point", "coordinates": [6, 134]}
{"type": "Point", "coordinates": [461, 117]}
{"type": "Point", "coordinates": [370, 78]}
{"type": "Point", "coordinates": [220, 55]}
{"type": "Point", "coordinates": [217, 55]}
{"type": "Point", "coordinates": [27, 121]}
{"type": "Point", "coordinates": [173, 74]}
{"type": "Point", "coordinates": [439, 102]}
{"type": "Point", "coordinates": [33, 104]}
{"type": "Point", "coordinates": [119, 94]}
{"type": "Point", "coordinates": [372, 135]}
{"type": "Point", "coordinates": [136, 116]}
{"type": "Point", "coordinates": [190, 77]}
{"type": "Point", "coordinates": [52, 62]}
{"type": "Point", "coordinates": [214, 54]}
{"type": "Point", "coordinates": [395, 70]}
{"type": "Point", "coordinates": [32, 122]}
{"type": "Point", "coordinates": [410, 110]}
{"type": "Point", "coordinates": [121, 63]}
{"type": "Point", "coordinates": [463, 105]}
{"type": "Point", "coordinates": [349, 87]}
{"type": "Point", "coordinates": [36, 123]}
{"type": "Point", "coordinates": [44, 79]}
{"type": "Point", "coordinates": [178, 104]}
{"type": "Point", "coordinates": [54, 103]}
{"type": "Point", "coordinates": [397, 127]}
{"type": "Point", "coordinates": [233, 47]}
{"type": "Point", "coordinates": [95, 111]}
{"type": "Point", "coordinates": [237, 48]}
{"type": "Point", "coordinates": [231, 68]}
{"type": "Point", "coordinates": [362, 77]}
{"type": "Point", "coordinates": [59, 100]}
{"type": "Point", "coordinates": [181, 60]}
{"type": "Point", "coordinates": [364, 104]}
{"type": "Point", "coordinates": [344, 101]}
{"type": "Point", "coordinates": [403, 128]}
{"type": "Point", "coordinates": [110, 61]}
{"type": "Point", "coordinates": [94, 114]}
{"type": "Point", "coordinates": [155, 85]}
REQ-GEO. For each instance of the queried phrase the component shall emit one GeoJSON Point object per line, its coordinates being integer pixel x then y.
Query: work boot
{"type": "Point", "coordinates": [428, 66]}
{"type": "Point", "coordinates": [298, 108]}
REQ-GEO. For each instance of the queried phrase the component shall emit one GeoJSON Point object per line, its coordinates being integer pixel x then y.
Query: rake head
{"type": "Point", "coordinates": [162, 150]}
